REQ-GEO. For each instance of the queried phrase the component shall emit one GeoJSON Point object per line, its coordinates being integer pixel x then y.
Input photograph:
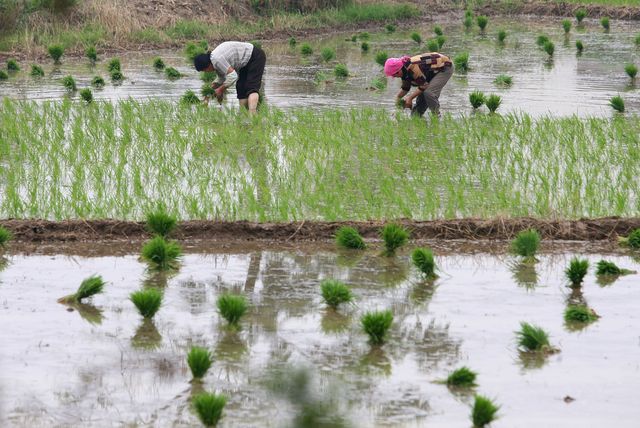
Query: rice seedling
{"type": "Point", "coordinates": [172, 73]}
{"type": "Point", "coordinates": [503, 80]}
{"type": "Point", "coordinates": [97, 82]}
{"type": "Point", "coordinates": [467, 22]}
{"type": "Point", "coordinates": [69, 83]}
{"type": "Point", "coordinates": [56, 52]}
{"type": "Point", "coordinates": [604, 267]}
{"type": "Point", "coordinates": [320, 77]}
{"type": "Point", "coordinates": [576, 271]}
{"type": "Point", "coordinates": [394, 237]}
{"type": "Point", "coordinates": [531, 338]}
{"type": "Point", "coordinates": [631, 70]}
{"type": "Point", "coordinates": [292, 42]}
{"type": "Point", "coordinates": [637, 39]}
{"type": "Point", "coordinates": [416, 37]}
{"type": "Point", "coordinates": [580, 314]}
{"type": "Point", "coordinates": [462, 378]}
{"type": "Point", "coordinates": [88, 287]}
{"type": "Point", "coordinates": [354, 38]}
{"type": "Point", "coordinates": [207, 91]}
{"type": "Point", "coordinates": [161, 223]}
{"type": "Point", "coordinates": [566, 26]}
{"type": "Point", "coordinates": [502, 35]}
{"type": "Point", "coordinates": [36, 71]}
{"type": "Point", "coordinates": [114, 65]}
{"type": "Point", "coordinates": [232, 307]}
{"type": "Point", "coordinates": [364, 47]}
{"type": "Point", "coordinates": [3, 75]}
{"type": "Point", "coordinates": [306, 49]}
{"type": "Point", "coordinates": [163, 255]}
{"type": "Point", "coordinates": [189, 98]}
{"type": "Point", "coordinates": [549, 48]}
{"type": "Point", "coordinates": [91, 53]}
{"type": "Point", "coordinates": [468, 13]}
{"type": "Point", "coordinates": [146, 336]}
{"type": "Point", "coordinates": [381, 57]}
{"type": "Point", "coordinates": [579, 46]}
{"type": "Point", "coordinates": [482, 22]}
{"type": "Point", "coordinates": [364, 36]}
{"type": "Point", "coordinates": [116, 76]}
{"type": "Point", "coordinates": [633, 240]}
{"type": "Point", "coordinates": [423, 259]}
{"type": "Point", "coordinates": [432, 45]}
{"type": "Point", "coordinates": [483, 412]}
{"type": "Point", "coordinates": [376, 324]}
{"type": "Point", "coordinates": [349, 237]}
{"type": "Point", "coordinates": [147, 301]}
{"type": "Point", "coordinates": [441, 41]}
{"type": "Point", "coordinates": [580, 15]}
{"type": "Point", "coordinates": [541, 40]}
{"type": "Point", "coordinates": [341, 71]}
{"type": "Point", "coordinates": [604, 21]}
{"type": "Point", "coordinates": [461, 61]}
{"type": "Point", "coordinates": [390, 28]}
{"type": "Point", "coordinates": [209, 407]}
{"type": "Point", "coordinates": [5, 236]}
{"type": "Point", "coordinates": [12, 65]}
{"type": "Point", "coordinates": [438, 30]}
{"type": "Point", "coordinates": [328, 54]}
{"type": "Point", "coordinates": [335, 292]}
{"type": "Point", "coordinates": [380, 83]}
{"type": "Point", "coordinates": [192, 49]}
{"type": "Point", "coordinates": [86, 95]}
{"type": "Point", "coordinates": [158, 64]}
{"type": "Point", "coordinates": [526, 244]}
{"type": "Point", "coordinates": [208, 76]}
{"type": "Point", "coordinates": [476, 98]}
{"type": "Point", "coordinates": [617, 103]}
{"type": "Point", "coordinates": [199, 361]}
{"type": "Point", "coordinates": [492, 102]}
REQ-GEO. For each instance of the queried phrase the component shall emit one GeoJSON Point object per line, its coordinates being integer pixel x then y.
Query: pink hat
{"type": "Point", "coordinates": [393, 65]}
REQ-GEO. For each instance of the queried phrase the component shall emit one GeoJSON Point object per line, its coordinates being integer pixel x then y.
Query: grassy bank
{"type": "Point", "coordinates": [64, 160]}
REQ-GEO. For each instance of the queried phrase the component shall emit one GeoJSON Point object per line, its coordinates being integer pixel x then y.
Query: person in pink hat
{"type": "Point", "coordinates": [428, 72]}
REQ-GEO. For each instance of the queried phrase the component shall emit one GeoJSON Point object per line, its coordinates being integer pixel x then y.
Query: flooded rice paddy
{"type": "Point", "coordinates": [565, 85]}
{"type": "Point", "coordinates": [101, 365]}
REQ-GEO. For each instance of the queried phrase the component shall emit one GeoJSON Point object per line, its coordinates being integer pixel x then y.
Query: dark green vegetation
{"type": "Point", "coordinates": [433, 45]}
{"type": "Point", "coordinates": [579, 46]}
{"type": "Point", "coordinates": [335, 292]}
{"type": "Point", "coordinates": [541, 40]}
{"type": "Point", "coordinates": [69, 83]}
{"type": "Point", "coordinates": [376, 324]}
{"type": "Point", "coordinates": [199, 361]}
{"type": "Point", "coordinates": [632, 241]}
{"type": "Point", "coordinates": [381, 57]}
{"type": "Point", "coordinates": [483, 412]}
{"type": "Point", "coordinates": [394, 237]}
{"type": "Point", "coordinates": [207, 91]}
{"type": "Point", "coordinates": [91, 53]}
{"type": "Point", "coordinates": [462, 378]}
{"type": "Point", "coordinates": [502, 35]}
{"type": "Point", "coordinates": [576, 271]}
{"type": "Point", "coordinates": [116, 76]}
{"type": "Point", "coordinates": [192, 49]}
{"type": "Point", "coordinates": [86, 95]}
{"type": "Point", "coordinates": [341, 71]}
{"type": "Point", "coordinates": [12, 65]}
{"type": "Point", "coordinates": [604, 21]}
{"type": "Point", "coordinates": [349, 237]}
{"type": "Point", "coordinates": [97, 82]}
{"type": "Point", "coordinates": [580, 314]}
{"type": "Point", "coordinates": [209, 407]}
{"type": "Point", "coordinates": [482, 22]}
{"type": "Point", "coordinates": [56, 52]}
{"type": "Point", "coordinates": [36, 71]}
{"type": "Point", "coordinates": [3, 75]}
{"type": "Point", "coordinates": [416, 37]}
{"type": "Point", "coordinates": [492, 102]}
{"type": "Point", "coordinates": [617, 103]}
{"type": "Point", "coordinates": [159, 222]}
{"type": "Point", "coordinates": [476, 98]}
{"type": "Point", "coordinates": [631, 70]}
{"type": "Point", "coordinates": [423, 259]}
{"type": "Point", "coordinates": [88, 287]}
{"type": "Point", "coordinates": [580, 15]}
{"type": "Point", "coordinates": [604, 267]}
{"type": "Point", "coordinates": [5, 236]}
{"type": "Point", "coordinates": [114, 65]}
{"type": "Point", "coordinates": [189, 98]}
{"type": "Point", "coordinates": [292, 41]}
{"type": "Point", "coordinates": [232, 307]}
{"type": "Point", "coordinates": [364, 47]}
{"type": "Point", "coordinates": [438, 30]}
{"type": "Point", "coordinates": [566, 25]}
{"type": "Point", "coordinates": [172, 73]}
{"type": "Point", "coordinates": [503, 80]}
{"type": "Point", "coordinates": [390, 28]}
{"type": "Point", "coordinates": [163, 255]}
{"type": "Point", "coordinates": [549, 48]}
{"type": "Point", "coordinates": [147, 301]}
{"type": "Point", "coordinates": [531, 338]}
{"type": "Point", "coordinates": [306, 49]}
{"type": "Point", "coordinates": [158, 63]}
{"type": "Point", "coordinates": [526, 244]}
{"type": "Point", "coordinates": [461, 62]}
{"type": "Point", "coordinates": [327, 54]}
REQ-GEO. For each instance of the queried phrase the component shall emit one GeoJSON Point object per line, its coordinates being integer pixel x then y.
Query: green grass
{"type": "Point", "coordinates": [484, 411]}
{"type": "Point", "coordinates": [335, 292]}
{"type": "Point", "coordinates": [232, 307]}
{"type": "Point", "coordinates": [580, 314]}
{"type": "Point", "coordinates": [576, 271]}
{"type": "Point", "coordinates": [161, 254]}
{"type": "Point", "coordinates": [12, 65]}
{"type": "Point", "coordinates": [36, 71]}
{"type": "Point", "coordinates": [341, 71]}
{"type": "Point", "coordinates": [56, 52]}
{"type": "Point", "coordinates": [503, 80]}
{"type": "Point", "coordinates": [193, 49]}
{"type": "Point", "coordinates": [467, 22]}
{"type": "Point", "coordinates": [526, 244]}
{"type": "Point", "coordinates": [476, 98]}
{"type": "Point", "coordinates": [147, 301]}
{"type": "Point", "coordinates": [199, 361]}
{"type": "Point", "coordinates": [617, 103]}
{"type": "Point", "coordinates": [158, 63]}
{"type": "Point", "coordinates": [461, 62]}
{"type": "Point", "coordinates": [482, 22]}
{"type": "Point", "coordinates": [188, 30]}
{"type": "Point", "coordinates": [91, 53]}
{"type": "Point", "coordinates": [209, 407]}
{"type": "Point", "coordinates": [394, 236]}
{"type": "Point", "coordinates": [86, 95]}
{"type": "Point", "coordinates": [69, 83]}
{"type": "Point", "coordinates": [376, 325]}
{"type": "Point", "coordinates": [462, 378]}
{"type": "Point", "coordinates": [632, 241]}
{"type": "Point", "coordinates": [492, 102]}
{"type": "Point", "coordinates": [423, 259]}
{"type": "Point", "coordinates": [328, 54]}
{"type": "Point", "coordinates": [97, 82]}
{"type": "Point", "coordinates": [581, 13]}
{"type": "Point", "coordinates": [89, 287]}
{"type": "Point", "coordinates": [381, 57]}
{"type": "Point", "coordinates": [631, 70]}
{"type": "Point", "coordinates": [161, 223]}
{"type": "Point", "coordinates": [549, 48]}
{"type": "Point", "coordinates": [3, 75]}
{"type": "Point", "coordinates": [172, 73]}
{"type": "Point", "coordinates": [390, 28]}
{"type": "Point", "coordinates": [541, 40]}
{"type": "Point", "coordinates": [189, 98]}
{"type": "Point", "coordinates": [531, 338]}
{"type": "Point", "coordinates": [349, 237]}
{"type": "Point", "coordinates": [5, 236]}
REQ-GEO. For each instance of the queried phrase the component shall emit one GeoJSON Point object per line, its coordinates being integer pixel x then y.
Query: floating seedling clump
{"type": "Point", "coordinates": [390, 28]}
{"type": "Point", "coordinates": [97, 82]}
{"type": "Point", "coordinates": [364, 47]}
{"type": "Point", "coordinates": [91, 53]}
{"type": "Point", "coordinates": [484, 411]}
{"type": "Point", "coordinates": [438, 30]}
{"type": "Point", "coordinates": [541, 40]}
{"type": "Point", "coordinates": [232, 307]}
{"type": "Point", "coordinates": [5, 237]}
{"type": "Point", "coordinates": [423, 259]}
{"type": "Point", "coordinates": [162, 254]}
{"type": "Point", "coordinates": [576, 271]}
{"type": "Point", "coordinates": [381, 57]}
{"type": "Point", "coordinates": [580, 15]}
{"type": "Point", "coordinates": [36, 71]}
{"type": "Point", "coordinates": [580, 314]}
{"type": "Point", "coordinates": [461, 61]}
{"type": "Point", "coordinates": [604, 268]}
{"type": "Point", "coordinates": [306, 49]}
{"type": "Point", "coordinates": [462, 378]}
{"type": "Point", "coordinates": [147, 301]}
{"type": "Point", "coordinates": [617, 103]}
{"type": "Point", "coordinates": [376, 324]}
{"type": "Point", "coordinates": [86, 95]}
{"type": "Point", "coordinates": [493, 101]}
{"type": "Point", "coordinates": [416, 37]}
{"type": "Point", "coordinates": [482, 22]}
{"type": "Point", "coordinates": [604, 21]}
{"type": "Point", "coordinates": [199, 361]}
{"type": "Point", "coordinates": [341, 71]}
{"type": "Point", "coordinates": [531, 338]}
{"type": "Point", "coordinates": [172, 73]}
{"type": "Point", "coordinates": [394, 237]}
{"type": "Point", "coordinates": [526, 244]}
{"type": "Point", "coordinates": [209, 408]}
{"type": "Point", "coordinates": [349, 237]}
{"type": "Point", "coordinates": [503, 80]}
{"type": "Point", "coordinates": [89, 287]}
{"type": "Point", "coordinates": [292, 41]}
{"type": "Point", "coordinates": [476, 98]}
{"type": "Point", "coordinates": [327, 54]}
{"type": "Point", "coordinates": [549, 48]}
{"type": "Point", "coordinates": [158, 63]}
{"type": "Point", "coordinates": [56, 52]}
{"type": "Point", "coordinates": [117, 76]}
{"type": "Point", "coordinates": [502, 35]}
{"type": "Point", "coordinates": [579, 46]}
{"type": "Point", "coordinates": [12, 65]}
{"type": "Point", "coordinates": [189, 98]}
{"type": "Point", "coordinates": [114, 65]}
{"type": "Point", "coordinates": [566, 25]}
{"type": "Point", "coordinates": [633, 240]}
{"type": "Point", "coordinates": [69, 83]}
{"type": "Point", "coordinates": [631, 70]}
{"type": "Point", "coordinates": [335, 292]}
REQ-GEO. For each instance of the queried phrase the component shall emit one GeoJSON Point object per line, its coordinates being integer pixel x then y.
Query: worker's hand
{"type": "Point", "coordinates": [408, 103]}
{"type": "Point", "coordinates": [220, 93]}
{"type": "Point", "coordinates": [215, 85]}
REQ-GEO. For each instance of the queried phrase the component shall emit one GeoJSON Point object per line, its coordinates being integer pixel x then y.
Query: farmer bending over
{"type": "Point", "coordinates": [236, 63]}
{"type": "Point", "coordinates": [429, 72]}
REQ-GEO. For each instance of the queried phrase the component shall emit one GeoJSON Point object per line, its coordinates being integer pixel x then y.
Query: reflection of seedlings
{"type": "Point", "coordinates": [36, 71]}
{"type": "Point", "coordinates": [393, 273]}
{"type": "Point", "coordinates": [461, 61]}
{"type": "Point", "coordinates": [617, 103]}
{"type": "Point", "coordinates": [306, 49]}
{"type": "Point", "coordinates": [158, 63]}
{"type": "Point", "coordinates": [349, 258]}
{"type": "Point", "coordinates": [422, 292]}
{"type": "Point", "coordinates": [576, 271]}
{"type": "Point", "coordinates": [189, 98]}
{"type": "Point", "coordinates": [5, 237]}
{"type": "Point", "coordinates": [89, 287]}
{"type": "Point", "coordinates": [69, 83]}
{"type": "Point", "coordinates": [604, 21]}
{"type": "Point", "coordinates": [327, 54]}
{"type": "Point", "coordinates": [566, 26]}
{"type": "Point", "coordinates": [97, 82]}
{"type": "Point", "coordinates": [580, 15]}
{"type": "Point", "coordinates": [364, 47]}
{"type": "Point", "coordinates": [376, 324]}
{"type": "Point", "coordinates": [462, 378]}
{"type": "Point", "coordinates": [349, 237]}
{"type": "Point", "coordinates": [525, 275]}
{"type": "Point", "coordinates": [606, 268]}
{"type": "Point", "coordinates": [230, 347]}
{"type": "Point", "coordinates": [232, 307]}
{"type": "Point", "coordinates": [208, 407]}
{"type": "Point", "coordinates": [579, 315]}
{"type": "Point", "coordinates": [55, 52]}
{"type": "Point", "coordinates": [482, 22]}
{"type": "Point", "coordinates": [199, 360]}
{"type": "Point", "coordinates": [476, 98]}
{"type": "Point", "coordinates": [335, 292]}
{"type": "Point", "coordinates": [416, 37]}
{"type": "Point", "coordinates": [147, 301]}
{"type": "Point", "coordinates": [484, 411]}
{"type": "Point", "coordinates": [423, 259]}
{"type": "Point", "coordinates": [381, 57]}
{"type": "Point", "coordinates": [502, 35]}
{"type": "Point", "coordinates": [526, 245]}
{"type": "Point", "coordinates": [394, 237]}
{"type": "Point", "coordinates": [534, 339]}
{"type": "Point", "coordinates": [633, 240]}
{"type": "Point", "coordinates": [88, 312]}
{"type": "Point", "coordinates": [503, 80]}
{"type": "Point", "coordinates": [334, 322]}
{"type": "Point", "coordinates": [117, 76]}
{"type": "Point", "coordinates": [341, 71]}
{"type": "Point", "coordinates": [4, 262]}
{"type": "Point", "coordinates": [579, 46]}
{"type": "Point", "coordinates": [146, 336]}
{"type": "Point", "coordinates": [376, 358]}
{"type": "Point", "coordinates": [163, 255]}
{"type": "Point", "coordinates": [91, 53]}
{"type": "Point", "coordinates": [114, 65]}
{"type": "Point", "coordinates": [172, 73]}
{"type": "Point", "coordinates": [86, 95]}
{"type": "Point", "coordinates": [493, 101]}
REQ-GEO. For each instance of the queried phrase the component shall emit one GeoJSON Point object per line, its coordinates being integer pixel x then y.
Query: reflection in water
{"type": "Point", "coordinates": [394, 271]}
{"type": "Point", "coordinates": [349, 258]}
{"type": "Point", "coordinates": [576, 297]}
{"type": "Point", "coordinates": [147, 336]}
{"type": "Point", "coordinates": [334, 322]}
{"type": "Point", "coordinates": [422, 292]}
{"type": "Point", "coordinates": [375, 362]}
{"type": "Point", "coordinates": [230, 347]}
{"type": "Point", "coordinates": [88, 312]}
{"type": "Point", "coordinates": [4, 262]}
{"type": "Point", "coordinates": [532, 360]}
{"type": "Point", "coordinates": [157, 279]}
{"type": "Point", "coordinates": [524, 274]}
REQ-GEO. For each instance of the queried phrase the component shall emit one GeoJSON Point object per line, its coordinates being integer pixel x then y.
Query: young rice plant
{"type": "Point", "coordinates": [492, 102]}
{"type": "Point", "coordinates": [579, 46]}
{"type": "Point", "coordinates": [97, 82]}
{"type": "Point", "coordinates": [232, 307]}
{"type": "Point", "coordinates": [531, 338]}
{"type": "Point", "coordinates": [86, 95]}
{"type": "Point", "coordinates": [631, 70]}
{"type": "Point", "coordinates": [88, 287]}
{"type": "Point", "coordinates": [580, 314]}
{"type": "Point", "coordinates": [394, 237]}
{"type": "Point", "coordinates": [604, 267]}
{"type": "Point", "coordinates": [576, 271]}
{"type": "Point", "coordinates": [526, 244]}
{"type": "Point", "coordinates": [328, 54]}
{"type": "Point", "coordinates": [335, 292]}
{"type": "Point", "coordinates": [69, 83]}
{"type": "Point", "coordinates": [461, 61]}
{"type": "Point", "coordinates": [364, 47]}
{"type": "Point", "coordinates": [632, 241]}
{"type": "Point", "coordinates": [376, 324]}
{"type": "Point", "coordinates": [163, 255]}
{"type": "Point", "coordinates": [484, 411]}
{"type": "Point", "coordinates": [36, 71]}
{"type": "Point", "coordinates": [349, 237]}
{"type": "Point", "coordinates": [5, 237]}
{"type": "Point", "coordinates": [147, 301]}
{"type": "Point", "coordinates": [482, 22]}
{"type": "Point", "coordinates": [423, 259]}
{"type": "Point", "coordinates": [12, 65]}
{"type": "Point", "coordinates": [3, 75]}
{"type": "Point", "coordinates": [462, 378]}
{"type": "Point", "coordinates": [502, 35]}
{"type": "Point", "coordinates": [189, 98]}
{"type": "Point", "coordinates": [566, 26]}
{"type": "Point", "coordinates": [381, 57]}
{"type": "Point", "coordinates": [56, 52]}
{"type": "Point", "coordinates": [172, 73]}
{"type": "Point", "coordinates": [432, 45]}
{"type": "Point", "coordinates": [160, 223]}
{"type": "Point", "coordinates": [503, 80]}
{"type": "Point", "coordinates": [306, 49]}
{"type": "Point", "coordinates": [209, 407]}
{"type": "Point", "coordinates": [617, 103]}
{"type": "Point", "coordinates": [341, 71]}
{"type": "Point", "coordinates": [604, 21]}
{"type": "Point", "coordinates": [91, 53]}
{"type": "Point", "coordinates": [114, 65]}
{"type": "Point", "coordinates": [158, 64]}
{"type": "Point", "coordinates": [476, 98]}
{"type": "Point", "coordinates": [549, 48]}
{"type": "Point", "coordinates": [199, 361]}
{"type": "Point", "coordinates": [416, 37]}
{"type": "Point", "coordinates": [580, 15]}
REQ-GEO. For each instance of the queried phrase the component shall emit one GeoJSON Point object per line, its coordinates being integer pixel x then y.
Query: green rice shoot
{"type": "Point", "coordinates": [158, 64]}
{"type": "Point", "coordinates": [381, 57]}
{"type": "Point", "coordinates": [566, 26]}
{"type": "Point", "coordinates": [438, 30]}
{"type": "Point", "coordinates": [549, 48]}
{"type": "Point", "coordinates": [492, 102]}
{"type": "Point", "coordinates": [484, 411]}
{"type": "Point", "coordinates": [199, 361]}
{"type": "Point", "coordinates": [461, 61]}
{"type": "Point", "coordinates": [433, 45]}
{"type": "Point", "coordinates": [576, 271]}
{"type": "Point", "coordinates": [161, 223]}
{"type": "Point", "coordinates": [147, 301]}
{"type": "Point", "coordinates": [580, 15]}
{"type": "Point", "coordinates": [416, 37]}
{"type": "Point", "coordinates": [306, 49]}
{"type": "Point", "coordinates": [526, 245]}
{"type": "Point", "coordinates": [541, 40]}
{"type": "Point", "coordinates": [441, 41]}
{"type": "Point", "coordinates": [503, 80]}
{"type": "Point", "coordinates": [69, 83]}
{"type": "Point", "coordinates": [341, 71]}
{"type": "Point", "coordinates": [12, 65]}
{"type": "Point", "coordinates": [580, 314]}
{"type": "Point", "coordinates": [462, 378]}
{"type": "Point", "coordinates": [327, 54]}
{"type": "Point", "coordinates": [116, 76]}
{"type": "Point", "coordinates": [3, 75]}
{"type": "Point", "coordinates": [349, 237]}
{"type": "Point", "coordinates": [617, 103]}
{"type": "Point", "coordinates": [604, 21]}
{"type": "Point", "coordinates": [97, 82]}
{"type": "Point", "coordinates": [531, 338]}
{"type": "Point", "coordinates": [172, 73]}
{"type": "Point", "coordinates": [232, 307]}
{"type": "Point", "coordinates": [209, 407]}
{"type": "Point", "coordinates": [86, 95]}
{"type": "Point", "coordinates": [390, 28]}
{"type": "Point", "coordinates": [114, 65]}
{"type": "Point", "coordinates": [56, 52]}
{"type": "Point", "coordinates": [36, 71]}
{"type": "Point", "coordinates": [502, 35]}
{"type": "Point", "coordinates": [476, 98]}
{"type": "Point", "coordinates": [394, 236]}
{"type": "Point", "coordinates": [5, 236]}
{"type": "Point", "coordinates": [335, 293]}
{"type": "Point", "coordinates": [423, 259]}
{"type": "Point", "coordinates": [88, 287]}
{"type": "Point", "coordinates": [91, 53]}
{"type": "Point", "coordinates": [579, 46]}
{"type": "Point", "coordinates": [632, 241]}
{"type": "Point", "coordinates": [162, 254]}
{"type": "Point", "coordinates": [376, 325]}
{"type": "Point", "coordinates": [189, 98]}
{"type": "Point", "coordinates": [604, 268]}
{"type": "Point", "coordinates": [482, 22]}
{"type": "Point", "coordinates": [631, 70]}
{"type": "Point", "coordinates": [364, 46]}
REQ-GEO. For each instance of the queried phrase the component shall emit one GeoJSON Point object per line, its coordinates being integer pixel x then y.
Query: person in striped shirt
{"type": "Point", "coordinates": [428, 72]}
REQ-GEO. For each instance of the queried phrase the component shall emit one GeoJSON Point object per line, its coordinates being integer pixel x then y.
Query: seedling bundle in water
{"type": "Point", "coordinates": [114, 65]}
{"type": "Point", "coordinates": [69, 83]}
{"type": "Point", "coordinates": [476, 98]}
{"type": "Point", "coordinates": [423, 260]}
{"type": "Point", "coordinates": [432, 45]}
{"type": "Point", "coordinates": [503, 80]}
{"type": "Point", "coordinates": [162, 254]}
{"type": "Point", "coordinates": [199, 361]}
{"type": "Point", "coordinates": [617, 103]}
{"type": "Point", "coordinates": [12, 65]}
{"type": "Point", "coordinates": [416, 37]}
{"type": "Point", "coordinates": [376, 324]}
{"type": "Point", "coordinates": [117, 76]}
{"type": "Point", "coordinates": [86, 95]}
{"type": "Point", "coordinates": [364, 47]}
{"type": "Point", "coordinates": [158, 63]}
{"type": "Point", "coordinates": [580, 314]}
{"type": "Point", "coordinates": [631, 70]}
{"type": "Point", "coordinates": [349, 237]}
{"type": "Point", "coordinates": [580, 15]}
{"type": "Point", "coordinates": [209, 407]}
{"type": "Point", "coordinates": [97, 82]}
{"type": "Point", "coordinates": [576, 271]}
{"type": "Point", "coordinates": [335, 292]}
{"type": "Point", "coordinates": [189, 98]}
{"type": "Point", "coordinates": [341, 71]}
{"type": "Point", "coordinates": [526, 245]}
{"type": "Point", "coordinates": [172, 73]}
{"type": "Point", "coordinates": [394, 237]}
{"type": "Point", "coordinates": [531, 338]}
{"type": "Point", "coordinates": [89, 287]}
{"type": "Point", "coordinates": [438, 30]}
{"type": "Point", "coordinates": [549, 48]}
{"type": "Point", "coordinates": [632, 241]}
{"type": "Point", "coordinates": [606, 268]}
{"type": "Point", "coordinates": [232, 307]}
{"type": "Point", "coordinates": [147, 301]}
{"type": "Point", "coordinates": [483, 412]}
{"type": "Point", "coordinates": [5, 237]}
{"type": "Point", "coordinates": [482, 22]}
{"type": "Point", "coordinates": [461, 378]}
{"type": "Point", "coordinates": [36, 71]}
{"type": "Point", "coordinates": [493, 101]}
{"type": "Point", "coordinates": [461, 61]}
{"type": "Point", "coordinates": [604, 21]}
{"type": "Point", "coordinates": [381, 57]}
{"type": "Point", "coordinates": [91, 53]}
{"type": "Point", "coordinates": [55, 52]}
{"type": "Point", "coordinates": [327, 54]}
{"type": "Point", "coordinates": [566, 25]}
{"type": "Point", "coordinates": [306, 49]}
{"type": "Point", "coordinates": [579, 46]}
{"type": "Point", "coordinates": [3, 75]}
{"type": "Point", "coordinates": [502, 35]}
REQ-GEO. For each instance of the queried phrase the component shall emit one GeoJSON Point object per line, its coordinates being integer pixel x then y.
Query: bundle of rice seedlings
{"type": "Point", "coordinates": [531, 338]}
{"type": "Point", "coordinates": [376, 324]}
{"type": "Point", "coordinates": [492, 102]}
{"type": "Point", "coordinates": [476, 98]}
{"type": "Point", "coordinates": [306, 49]}
{"type": "Point", "coordinates": [56, 52]}
{"type": "Point", "coordinates": [364, 47]}
{"type": "Point", "coordinates": [461, 61]}
{"type": "Point", "coordinates": [199, 361]}
{"type": "Point", "coordinates": [462, 378]}
{"type": "Point", "coordinates": [12, 65]}
{"type": "Point", "coordinates": [580, 314]}
{"type": "Point", "coordinates": [416, 37]}
{"type": "Point", "coordinates": [579, 46]}
{"type": "Point", "coordinates": [617, 103]}
{"type": "Point", "coordinates": [162, 254]}
{"type": "Point", "coordinates": [88, 287]}
{"type": "Point", "coordinates": [503, 80]}
{"type": "Point", "coordinates": [381, 57]}
{"type": "Point", "coordinates": [209, 407]}
{"type": "Point", "coordinates": [97, 82]}
{"type": "Point", "coordinates": [349, 237]}
{"type": "Point", "coordinates": [114, 65]}
{"type": "Point", "coordinates": [232, 307]}
{"type": "Point", "coordinates": [69, 83]}
{"type": "Point", "coordinates": [502, 35]}
{"type": "Point", "coordinates": [335, 292]}
{"type": "Point", "coordinates": [632, 241]}
{"type": "Point", "coordinates": [580, 15]}
{"type": "Point", "coordinates": [5, 236]}
{"type": "Point", "coordinates": [394, 237]}
{"type": "Point", "coordinates": [147, 301]}
{"type": "Point", "coordinates": [604, 267]}
{"type": "Point", "coordinates": [423, 260]}
{"type": "Point", "coordinates": [341, 71]}
{"type": "Point", "coordinates": [576, 271]}
{"type": "Point", "coordinates": [526, 244]}
{"type": "Point", "coordinates": [483, 412]}
{"type": "Point", "coordinates": [86, 95]}
{"type": "Point", "coordinates": [189, 98]}
{"type": "Point", "coordinates": [36, 71]}
{"type": "Point", "coordinates": [158, 63]}
{"type": "Point", "coordinates": [604, 21]}
{"type": "Point", "coordinates": [91, 53]}
{"type": "Point", "coordinates": [327, 54]}
{"type": "Point", "coordinates": [172, 73]}
{"type": "Point", "coordinates": [482, 22]}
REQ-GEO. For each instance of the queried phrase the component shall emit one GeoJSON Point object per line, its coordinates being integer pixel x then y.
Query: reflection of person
{"type": "Point", "coordinates": [236, 63]}
{"type": "Point", "coordinates": [429, 72]}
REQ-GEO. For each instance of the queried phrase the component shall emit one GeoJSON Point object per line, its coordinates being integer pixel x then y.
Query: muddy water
{"type": "Point", "coordinates": [568, 84]}
{"type": "Point", "coordinates": [101, 365]}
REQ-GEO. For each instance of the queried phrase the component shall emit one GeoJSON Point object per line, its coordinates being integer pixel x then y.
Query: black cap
{"type": "Point", "coordinates": [202, 61]}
